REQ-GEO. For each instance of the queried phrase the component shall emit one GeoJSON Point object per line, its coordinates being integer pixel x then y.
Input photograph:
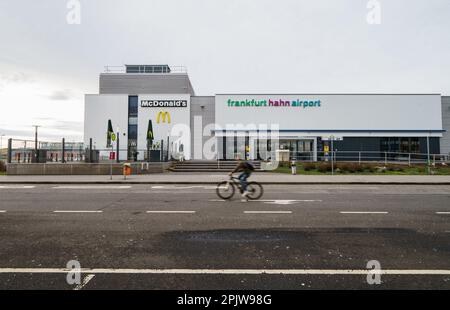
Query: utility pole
{"type": "Point", "coordinates": [36, 142]}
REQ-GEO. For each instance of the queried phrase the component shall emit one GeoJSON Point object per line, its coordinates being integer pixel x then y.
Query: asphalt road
{"type": "Point", "coordinates": [185, 237]}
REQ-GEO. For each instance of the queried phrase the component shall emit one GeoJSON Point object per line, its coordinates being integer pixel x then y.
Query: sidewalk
{"type": "Point", "coordinates": [214, 178]}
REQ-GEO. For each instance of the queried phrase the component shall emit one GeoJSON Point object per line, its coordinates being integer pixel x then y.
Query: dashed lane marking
{"type": "Point", "coordinates": [182, 187]}
{"type": "Point", "coordinates": [234, 271]}
{"type": "Point", "coordinates": [285, 201]}
{"type": "Point", "coordinates": [442, 212]}
{"type": "Point", "coordinates": [2, 211]}
{"type": "Point", "coordinates": [268, 212]}
{"type": "Point", "coordinates": [85, 281]}
{"type": "Point", "coordinates": [364, 212]}
{"type": "Point", "coordinates": [171, 212]}
{"type": "Point", "coordinates": [77, 211]}
{"type": "Point", "coordinates": [17, 186]}
{"type": "Point", "coordinates": [93, 187]}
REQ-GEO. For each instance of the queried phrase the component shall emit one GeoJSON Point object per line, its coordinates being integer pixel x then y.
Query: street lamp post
{"type": "Point", "coordinates": [36, 142]}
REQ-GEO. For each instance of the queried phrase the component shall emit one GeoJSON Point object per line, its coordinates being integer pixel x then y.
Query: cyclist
{"type": "Point", "coordinates": [246, 169]}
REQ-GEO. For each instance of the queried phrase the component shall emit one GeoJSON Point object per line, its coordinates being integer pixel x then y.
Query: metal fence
{"type": "Point", "coordinates": [28, 151]}
{"type": "Point", "coordinates": [372, 156]}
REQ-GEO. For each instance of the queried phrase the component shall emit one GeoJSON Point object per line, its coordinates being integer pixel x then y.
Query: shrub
{"type": "Point", "coordinates": [283, 164]}
{"type": "Point", "coordinates": [309, 166]}
{"type": "Point", "coordinates": [368, 167]}
{"type": "Point", "coordinates": [324, 167]}
{"type": "Point", "coordinates": [351, 167]}
{"type": "Point", "coordinates": [347, 167]}
{"type": "Point", "coordinates": [395, 168]}
{"type": "Point", "coordinates": [2, 166]}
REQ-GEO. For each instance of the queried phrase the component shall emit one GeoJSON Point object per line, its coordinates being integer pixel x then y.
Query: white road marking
{"type": "Point", "coordinates": [442, 212]}
{"type": "Point", "coordinates": [17, 186]}
{"type": "Point", "coordinates": [217, 200]}
{"type": "Point", "coordinates": [363, 212]}
{"type": "Point", "coordinates": [267, 212]}
{"type": "Point", "coordinates": [182, 187]}
{"type": "Point", "coordinates": [85, 281]}
{"type": "Point", "coordinates": [235, 271]}
{"type": "Point", "coordinates": [76, 211]}
{"type": "Point", "coordinates": [2, 211]}
{"type": "Point", "coordinates": [172, 212]}
{"type": "Point", "coordinates": [284, 201]}
{"type": "Point", "coordinates": [93, 187]}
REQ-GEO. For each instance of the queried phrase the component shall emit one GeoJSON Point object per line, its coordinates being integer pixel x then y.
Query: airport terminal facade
{"type": "Point", "coordinates": [256, 125]}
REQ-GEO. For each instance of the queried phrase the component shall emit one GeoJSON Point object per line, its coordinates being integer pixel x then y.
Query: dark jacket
{"type": "Point", "coordinates": [243, 166]}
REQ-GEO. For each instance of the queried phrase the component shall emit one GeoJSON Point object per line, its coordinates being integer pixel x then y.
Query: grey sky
{"type": "Point", "coordinates": [254, 46]}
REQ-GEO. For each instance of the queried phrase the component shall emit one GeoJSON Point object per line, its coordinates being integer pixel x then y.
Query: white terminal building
{"type": "Point", "coordinates": [256, 125]}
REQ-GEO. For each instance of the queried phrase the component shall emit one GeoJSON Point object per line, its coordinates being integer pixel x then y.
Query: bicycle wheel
{"type": "Point", "coordinates": [255, 190]}
{"type": "Point", "coordinates": [225, 190]}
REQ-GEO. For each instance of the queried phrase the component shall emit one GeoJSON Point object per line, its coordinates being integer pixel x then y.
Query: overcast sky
{"type": "Point", "coordinates": [248, 46]}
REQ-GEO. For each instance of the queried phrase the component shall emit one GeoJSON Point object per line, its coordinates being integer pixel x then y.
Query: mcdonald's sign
{"type": "Point", "coordinates": [164, 116]}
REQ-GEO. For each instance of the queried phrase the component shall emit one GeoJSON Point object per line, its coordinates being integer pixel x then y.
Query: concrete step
{"type": "Point", "coordinates": [208, 166]}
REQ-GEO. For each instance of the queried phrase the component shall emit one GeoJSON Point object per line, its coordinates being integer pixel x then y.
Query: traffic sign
{"type": "Point", "coordinates": [112, 155]}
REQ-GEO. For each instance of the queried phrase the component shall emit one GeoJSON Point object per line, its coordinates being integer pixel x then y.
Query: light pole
{"type": "Point", "coordinates": [36, 142]}
{"type": "Point", "coordinates": [168, 135]}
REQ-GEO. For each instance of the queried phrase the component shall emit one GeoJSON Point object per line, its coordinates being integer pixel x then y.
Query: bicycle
{"type": "Point", "coordinates": [226, 189]}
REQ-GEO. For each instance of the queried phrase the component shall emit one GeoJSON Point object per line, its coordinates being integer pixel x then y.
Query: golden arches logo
{"type": "Point", "coordinates": [164, 116]}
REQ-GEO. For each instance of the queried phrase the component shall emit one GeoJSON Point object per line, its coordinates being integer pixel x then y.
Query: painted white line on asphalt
{"type": "Point", "coordinates": [284, 201]}
{"type": "Point", "coordinates": [93, 187]}
{"type": "Point", "coordinates": [17, 186]}
{"type": "Point", "coordinates": [363, 212]}
{"type": "Point", "coordinates": [85, 281]}
{"type": "Point", "coordinates": [172, 212]}
{"type": "Point", "coordinates": [217, 200]}
{"type": "Point", "coordinates": [2, 211]}
{"type": "Point", "coordinates": [267, 212]}
{"type": "Point", "coordinates": [182, 187]}
{"type": "Point", "coordinates": [442, 212]}
{"type": "Point", "coordinates": [76, 211]}
{"type": "Point", "coordinates": [235, 271]}
{"type": "Point", "coordinates": [294, 200]}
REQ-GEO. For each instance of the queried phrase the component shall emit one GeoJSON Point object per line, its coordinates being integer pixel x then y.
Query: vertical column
{"type": "Point", "coordinates": [235, 144]}
{"type": "Point", "coordinates": [118, 148]}
{"type": "Point", "coordinates": [258, 155]}
{"type": "Point", "coordinates": [247, 146]}
{"type": "Point", "coordinates": [63, 151]}
{"type": "Point", "coordinates": [90, 150]}
{"type": "Point", "coordinates": [315, 149]}
{"type": "Point", "coordinates": [9, 159]}
{"type": "Point", "coordinates": [224, 146]}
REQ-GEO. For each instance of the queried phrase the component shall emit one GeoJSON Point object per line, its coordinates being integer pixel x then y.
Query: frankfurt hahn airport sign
{"type": "Point", "coordinates": [274, 103]}
{"type": "Point", "coordinates": [164, 103]}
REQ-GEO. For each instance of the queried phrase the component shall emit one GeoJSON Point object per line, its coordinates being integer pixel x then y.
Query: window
{"type": "Point", "coordinates": [133, 106]}
{"type": "Point", "coordinates": [132, 69]}
{"type": "Point", "coordinates": [132, 132]}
